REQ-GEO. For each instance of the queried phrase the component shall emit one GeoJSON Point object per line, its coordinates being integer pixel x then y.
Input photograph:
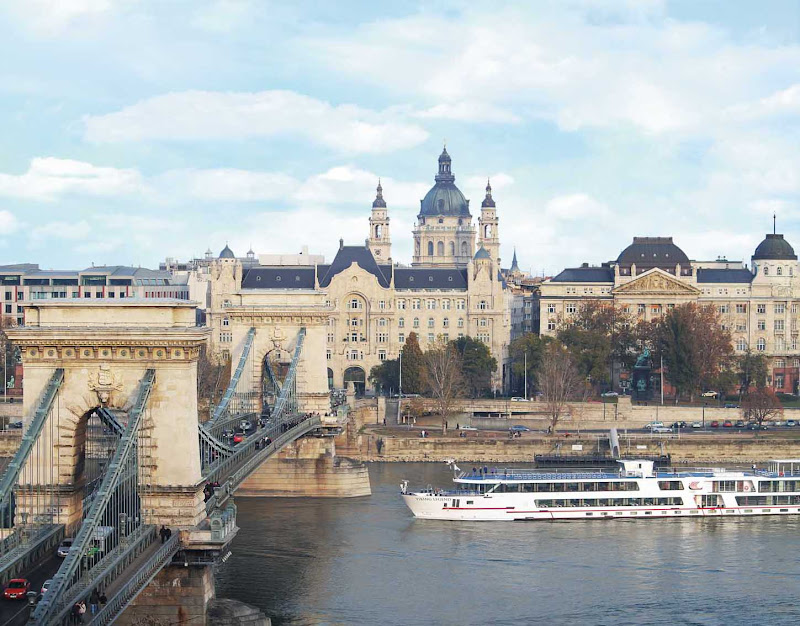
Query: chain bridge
{"type": "Point", "coordinates": [113, 451]}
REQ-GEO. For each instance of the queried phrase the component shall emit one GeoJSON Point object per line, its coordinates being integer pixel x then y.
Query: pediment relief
{"type": "Point", "coordinates": [657, 282]}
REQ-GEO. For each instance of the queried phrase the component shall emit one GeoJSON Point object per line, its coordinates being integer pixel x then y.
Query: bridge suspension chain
{"type": "Point", "coordinates": [113, 524]}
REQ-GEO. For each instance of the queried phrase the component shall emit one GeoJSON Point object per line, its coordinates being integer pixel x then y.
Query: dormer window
{"type": "Point", "coordinates": [766, 271]}
{"type": "Point", "coordinates": [441, 221]}
{"type": "Point", "coordinates": [780, 271]}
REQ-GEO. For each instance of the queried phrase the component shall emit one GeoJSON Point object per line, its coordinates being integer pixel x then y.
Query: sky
{"type": "Point", "coordinates": [134, 130]}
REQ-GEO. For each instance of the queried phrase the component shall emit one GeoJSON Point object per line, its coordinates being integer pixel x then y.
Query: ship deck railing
{"type": "Point", "coordinates": [531, 475]}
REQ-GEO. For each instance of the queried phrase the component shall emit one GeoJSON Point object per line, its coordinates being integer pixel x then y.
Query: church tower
{"type": "Point", "coordinates": [379, 242]}
{"type": "Point", "coordinates": [488, 226]}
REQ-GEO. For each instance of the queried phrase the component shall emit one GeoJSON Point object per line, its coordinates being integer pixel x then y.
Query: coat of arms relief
{"type": "Point", "coordinates": [104, 381]}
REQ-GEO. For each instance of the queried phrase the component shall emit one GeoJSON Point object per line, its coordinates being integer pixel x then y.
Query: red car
{"type": "Point", "coordinates": [238, 438]}
{"type": "Point", "coordinates": [727, 424]}
{"type": "Point", "coordinates": [715, 424]}
{"type": "Point", "coordinates": [17, 588]}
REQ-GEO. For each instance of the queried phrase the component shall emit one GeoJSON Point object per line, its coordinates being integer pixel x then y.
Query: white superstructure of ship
{"type": "Point", "coordinates": [636, 490]}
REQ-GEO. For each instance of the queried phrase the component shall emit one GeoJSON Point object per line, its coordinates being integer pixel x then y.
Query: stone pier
{"type": "Point", "coordinates": [308, 468]}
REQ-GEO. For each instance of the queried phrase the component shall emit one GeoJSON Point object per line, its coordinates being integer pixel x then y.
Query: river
{"type": "Point", "coordinates": [368, 561]}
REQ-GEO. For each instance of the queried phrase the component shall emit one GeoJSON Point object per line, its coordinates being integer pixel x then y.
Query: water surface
{"type": "Point", "coordinates": [368, 561]}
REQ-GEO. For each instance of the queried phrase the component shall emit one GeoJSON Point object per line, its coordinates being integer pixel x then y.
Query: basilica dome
{"type": "Point", "coordinates": [444, 198]}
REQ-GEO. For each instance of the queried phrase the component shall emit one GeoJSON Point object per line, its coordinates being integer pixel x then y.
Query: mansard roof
{"type": "Point", "coordinates": [430, 278]}
{"type": "Point", "coordinates": [731, 275]}
{"type": "Point", "coordinates": [586, 274]}
{"type": "Point", "coordinates": [285, 277]}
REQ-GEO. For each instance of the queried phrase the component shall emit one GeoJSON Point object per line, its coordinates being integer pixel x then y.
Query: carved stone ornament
{"type": "Point", "coordinates": [657, 283]}
{"type": "Point", "coordinates": [103, 382]}
{"type": "Point", "coordinates": [278, 337]}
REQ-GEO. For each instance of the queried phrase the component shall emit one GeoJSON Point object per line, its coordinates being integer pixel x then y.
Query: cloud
{"type": "Point", "coordinates": [8, 223]}
{"type": "Point", "coordinates": [60, 230]}
{"type": "Point", "coordinates": [48, 178]}
{"type": "Point", "coordinates": [209, 115]}
{"type": "Point", "coordinates": [580, 65]}
{"type": "Point", "coordinates": [227, 184]}
{"type": "Point", "coordinates": [576, 206]}
{"type": "Point", "coordinates": [782, 102]}
{"type": "Point", "coordinates": [469, 112]}
{"type": "Point", "coordinates": [53, 16]}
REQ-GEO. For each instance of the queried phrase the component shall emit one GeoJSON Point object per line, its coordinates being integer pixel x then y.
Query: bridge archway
{"type": "Point", "coordinates": [358, 377]}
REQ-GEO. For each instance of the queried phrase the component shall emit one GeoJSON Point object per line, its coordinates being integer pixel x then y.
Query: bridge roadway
{"type": "Point", "coordinates": [16, 612]}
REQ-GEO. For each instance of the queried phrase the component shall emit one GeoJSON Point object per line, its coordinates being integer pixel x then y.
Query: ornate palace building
{"type": "Point", "coordinates": [760, 305]}
{"type": "Point", "coordinates": [370, 303]}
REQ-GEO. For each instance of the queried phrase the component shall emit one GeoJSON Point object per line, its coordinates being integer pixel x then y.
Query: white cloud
{"type": "Point", "coordinates": [580, 64]}
{"type": "Point", "coordinates": [469, 112]}
{"type": "Point", "coordinates": [208, 115]}
{"type": "Point", "coordinates": [222, 16]}
{"type": "Point", "coordinates": [61, 230]}
{"type": "Point", "coordinates": [227, 184]}
{"type": "Point", "coordinates": [576, 206]}
{"type": "Point", "coordinates": [8, 223]}
{"type": "Point", "coordinates": [48, 178]}
{"type": "Point", "coordinates": [782, 102]}
{"type": "Point", "coordinates": [52, 16]}
{"type": "Point", "coordinates": [499, 181]}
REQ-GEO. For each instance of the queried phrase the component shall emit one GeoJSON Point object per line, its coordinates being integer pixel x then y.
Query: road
{"type": "Point", "coordinates": [15, 612]}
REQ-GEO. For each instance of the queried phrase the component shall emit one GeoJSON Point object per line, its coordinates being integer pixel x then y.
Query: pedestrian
{"type": "Point", "coordinates": [458, 426]}
{"type": "Point", "coordinates": [103, 599]}
{"type": "Point", "coordinates": [76, 613]}
{"type": "Point", "coordinates": [384, 421]}
{"type": "Point", "coordinates": [163, 533]}
{"type": "Point", "coordinates": [81, 611]}
{"type": "Point", "coordinates": [94, 600]}
{"type": "Point", "coordinates": [169, 533]}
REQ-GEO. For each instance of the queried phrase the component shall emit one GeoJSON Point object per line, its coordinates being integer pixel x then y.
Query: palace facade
{"type": "Point", "coordinates": [760, 305]}
{"type": "Point", "coordinates": [371, 303]}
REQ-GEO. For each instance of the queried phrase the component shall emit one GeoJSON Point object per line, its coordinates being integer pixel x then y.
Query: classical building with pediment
{"type": "Point", "coordinates": [652, 275]}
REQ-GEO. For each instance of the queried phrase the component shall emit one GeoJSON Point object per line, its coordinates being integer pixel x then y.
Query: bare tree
{"type": "Point", "coordinates": [212, 379]}
{"type": "Point", "coordinates": [759, 405]}
{"type": "Point", "coordinates": [443, 378]}
{"type": "Point", "coordinates": [559, 381]}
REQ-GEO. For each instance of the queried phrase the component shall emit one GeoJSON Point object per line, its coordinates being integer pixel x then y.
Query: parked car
{"type": "Point", "coordinates": [63, 548]}
{"type": "Point", "coordinates": [15, 425]}
{"type": "Point", "coordinates": [652, 425]}
{"type": "Point", "coordinates": [715, 424]}
{"type": "Point", "coordinates": [17, 588]}
{"type": "Point", "coordinates": [519, 428]}
{"type": "Point", "coordinates": [610, 394]}
{"type": "Point", "coordinates": [709, 394]}
{"type": "Point", "coordinates": [731, 406]}
{"type": "Point", "coordinates": [661, 429]}
{"type": "Point", "coordinates": [468, 428]}
{"type": "Point", "coordinates": [238, 438]}
{"type": "Point", "coordinates": [791, 423]}
{"type": "Point", "coordinates": [697, 424]}
{"type": "Point", "coordinates": [739, 423]}
{"type": "Point", "coordinates": [518, 399]}
{"type": "Point", "coordinates": [677, 425]}
{"type": "Point", "coordinates": [727, 424]}
{"type": "Point", "coordinates": [227, 433]}
{"type": "Point", "coordinates": [46, 585]}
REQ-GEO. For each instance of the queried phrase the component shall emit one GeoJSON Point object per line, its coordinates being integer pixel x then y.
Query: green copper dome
{"type": "Point", "coordinates": [444, 198]}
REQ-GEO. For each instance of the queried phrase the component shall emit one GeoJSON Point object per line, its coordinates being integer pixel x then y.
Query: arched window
{"type": "Point", "coordinates": [226, 321]}
{"type": "Point", "coordinates": [464, 248]}
{"type": "Point", "coordinates": [378, 231]}
{"type": "Point", "coordinates": [401, 322]}
{"type": "Point", "coordinates": [482, 305]}
{"type": "Point", "coordinates": [445, 323]}
{"type": "Point", "coordinates": [440, 248]}
{"type": "Point", "coordinates": [430, 248]}
{"type": "Point", "coordinates": [487, 231]}
{"type": "Point", "coordinates": [452, 248]}
{"type": "Point", "coordinates": [382, 321]}
{"type": "Point", "coordinates": [761, 345]}
{"type": "Point", "coordinates": [416, 322]}
{"type": "Point", "coordinates": [430, 322]}
{"type": "Point", "coordinates": [741, 345]}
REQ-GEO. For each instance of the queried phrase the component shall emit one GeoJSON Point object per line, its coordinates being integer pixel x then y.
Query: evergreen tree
{"type": "Point", "coordinates": [477, 365]}
{"type": "Point", "coordinates": [413, 365]}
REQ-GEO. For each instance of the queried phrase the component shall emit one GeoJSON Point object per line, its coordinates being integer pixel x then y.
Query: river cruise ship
{"type": "Point", "coordinates": [636, 490]}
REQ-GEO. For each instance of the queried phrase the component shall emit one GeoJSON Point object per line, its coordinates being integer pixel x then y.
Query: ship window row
{"type": "Point", "coordinates": [774, 486]}
{"type": "Point", "coordinates": [630, 485]}
{"type": "Point", "coordinates": [670, 485]}
{"type": "Point", "coordinates": [766, 500]}
{"type": "Point", "coordinates": [606, 502]}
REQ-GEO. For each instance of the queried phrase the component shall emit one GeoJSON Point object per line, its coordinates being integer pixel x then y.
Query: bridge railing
{"type": "Point", "coordinates": [226, 405]}
{"type": "Point", "coordinates": [115, 500]}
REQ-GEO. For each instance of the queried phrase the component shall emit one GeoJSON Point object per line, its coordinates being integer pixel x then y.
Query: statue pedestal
{"type": "Point", "coordinates": [642, 391]}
